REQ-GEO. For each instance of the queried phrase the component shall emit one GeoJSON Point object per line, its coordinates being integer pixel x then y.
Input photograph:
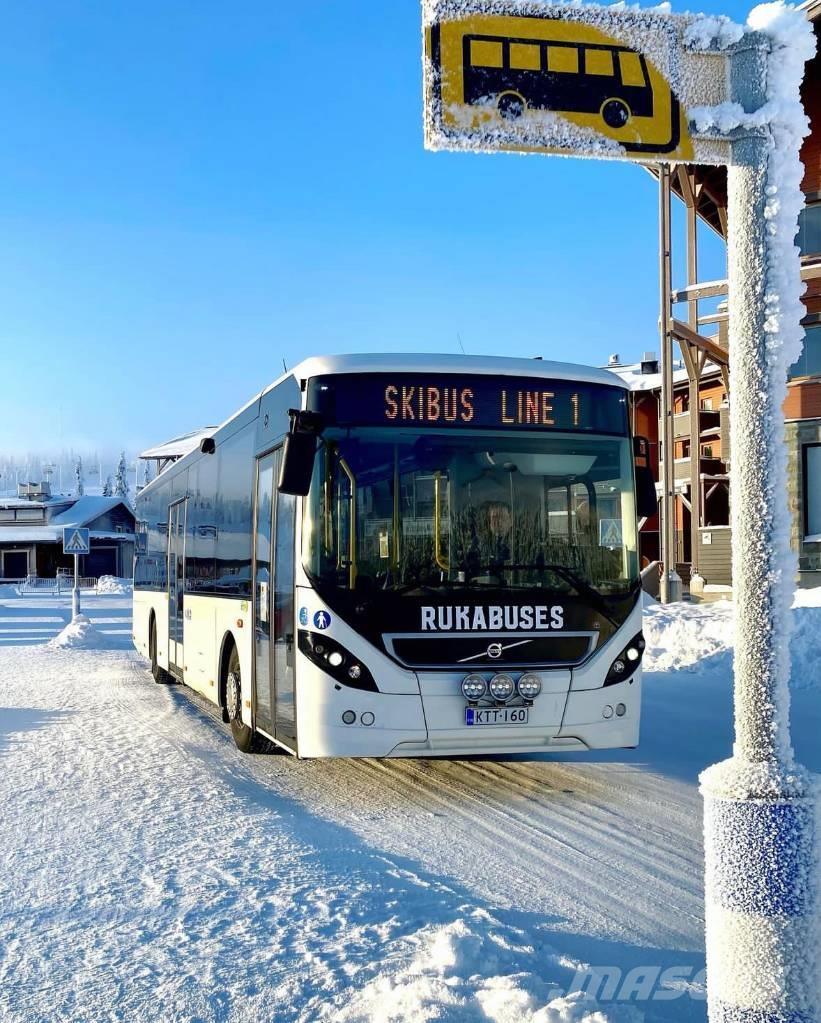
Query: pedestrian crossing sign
{"type": "Point", "coordinates": [610, 533]}
{"type": "Point", "coordinates": [75, 540]}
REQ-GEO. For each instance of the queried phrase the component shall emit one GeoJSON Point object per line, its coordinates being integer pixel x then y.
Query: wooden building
{"type": "Point", "coordinates": [698, 317]}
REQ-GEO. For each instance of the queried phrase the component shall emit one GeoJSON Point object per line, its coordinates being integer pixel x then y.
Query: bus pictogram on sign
{"type": "Point", "coordinates": [543, 83]}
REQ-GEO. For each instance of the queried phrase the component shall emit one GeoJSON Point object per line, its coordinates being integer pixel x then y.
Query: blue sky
{"type": "Point", "coordinates": [192, 193]}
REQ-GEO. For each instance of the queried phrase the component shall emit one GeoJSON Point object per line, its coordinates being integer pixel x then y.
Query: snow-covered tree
{"type": "Point", "coordinates": [79, 481]}
{"type": "Point", "coordinates": [108, 487]}
{"type": "Point", "coordinates": [121, 479]}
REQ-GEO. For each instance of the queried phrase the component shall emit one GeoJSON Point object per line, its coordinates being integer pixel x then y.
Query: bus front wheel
{"type": "Point", "coordinates": [245, 738]}
{"type": "Point", "coordinates": [615, 113]}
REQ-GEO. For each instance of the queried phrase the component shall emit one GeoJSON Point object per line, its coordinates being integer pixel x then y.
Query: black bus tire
{"type": "Point", "coordinates": [245, 738]}
{"type": "Point", "coordinates": [159, 674]}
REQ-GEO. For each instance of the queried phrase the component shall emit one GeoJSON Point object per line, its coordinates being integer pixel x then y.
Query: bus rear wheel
{"type": "Point", "coordinates": [511, 106]}
{"type": "Point", "coordinates": [615, 113]}
{"type": "Point", "coordinates": [246, 740]}
{"type": "Point", "coordinates": [158, 673]}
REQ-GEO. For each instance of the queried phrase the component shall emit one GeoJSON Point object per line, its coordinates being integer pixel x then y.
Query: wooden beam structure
{"type": "Point", "coordinates": [695, 292]}
{"type": "Point", "coordinates": [682, 332]}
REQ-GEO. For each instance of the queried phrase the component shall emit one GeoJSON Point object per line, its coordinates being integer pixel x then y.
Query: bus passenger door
{"type": "Point", "coordinates": [263, 517]}
{"type": "Point", "coordinates": [176, 584]}
{"type": "Point", "coordinates": [283, 617]}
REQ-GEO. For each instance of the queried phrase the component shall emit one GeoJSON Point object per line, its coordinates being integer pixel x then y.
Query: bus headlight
{"type": "Point", "coordinates": [329, 655]}
{"type": "Point", "coordinates": [474, 688]}
{"type": "Point", "coordinates": [626, 663]}
{"type": "Point", "coordinates": [529, 686]}
{"type": "Point", "coordinates": [502, 688]}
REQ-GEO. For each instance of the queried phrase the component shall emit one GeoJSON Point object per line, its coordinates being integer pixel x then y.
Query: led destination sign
{"type": "Point", "coordinates": [480, 402]}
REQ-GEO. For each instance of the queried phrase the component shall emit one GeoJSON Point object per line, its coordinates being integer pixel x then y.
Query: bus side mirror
{"type": "Point", "coordinates": [298, 453]}
{"type": "Point", "coordinates": [646, 499]}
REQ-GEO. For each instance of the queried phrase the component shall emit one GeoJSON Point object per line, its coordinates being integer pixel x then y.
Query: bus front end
{"type": "Point", "coordinates": [469, 579]}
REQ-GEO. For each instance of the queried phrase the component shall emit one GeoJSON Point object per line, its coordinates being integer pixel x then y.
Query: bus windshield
{"type": "Point", "coordinates": [411, 512]}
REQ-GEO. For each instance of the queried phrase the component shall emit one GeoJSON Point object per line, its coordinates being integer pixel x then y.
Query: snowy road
{"type": "Point", "coordinates": [152, 872]}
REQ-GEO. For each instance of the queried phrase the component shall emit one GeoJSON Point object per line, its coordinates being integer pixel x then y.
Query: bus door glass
{"type": "Point", "coordinates": [263, 591]}
{"type": "Point", "coordinates": [176, 582]}
{"type": "Point", "coordinates": [283, 616]}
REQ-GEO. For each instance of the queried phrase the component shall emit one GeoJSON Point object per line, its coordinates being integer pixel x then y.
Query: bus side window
{"type": "Point", "coordinates": [525, 56]}
{"type": "Point", "coordinates": [632, 72]}
{"type": "Point", "coordinates": [564, 59]}
{"type": "Point", "coordinates": [485, 53]}
{"type": "Point", "coordinates": [598, 62]}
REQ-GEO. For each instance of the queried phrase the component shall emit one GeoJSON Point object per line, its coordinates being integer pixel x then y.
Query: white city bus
{"type": "Point", "coordinates": [393, 556]}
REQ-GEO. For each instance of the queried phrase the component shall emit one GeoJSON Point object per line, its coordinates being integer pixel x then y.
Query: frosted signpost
{"type": "Point", "coordinates": [652, 87]}
{"type": "Point", "coordinates": [76, 542]}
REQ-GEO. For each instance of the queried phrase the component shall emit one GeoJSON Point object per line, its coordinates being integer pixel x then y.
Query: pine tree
{"type": "Point", "coordinates": [79, 484]}
{"type": "Point", "coordinates": [121, 479]}
{"type": "Point", "coordinates": [108, 487]}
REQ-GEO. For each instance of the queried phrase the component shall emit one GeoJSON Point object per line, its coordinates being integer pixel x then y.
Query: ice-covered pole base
{"type": "Point", "coordinates": [759, 827]}
{"type": "Point", "coordinates": [760, 895]}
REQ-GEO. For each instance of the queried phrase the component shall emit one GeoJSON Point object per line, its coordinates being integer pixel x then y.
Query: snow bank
{"type": "Point", "coordinates": [111, 584]}
{"type": "Point", "coordinates": [78, 634]}
{"type": "Point", "coordinates": [470, 969]}
{"type": "Point", "coordinates": [699, 637]}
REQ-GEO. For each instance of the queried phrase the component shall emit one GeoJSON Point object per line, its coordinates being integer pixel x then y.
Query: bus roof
{"type": "Point", "coordinates": [424, 362]}
{"type": "Point", "coordinates": [420, 362]}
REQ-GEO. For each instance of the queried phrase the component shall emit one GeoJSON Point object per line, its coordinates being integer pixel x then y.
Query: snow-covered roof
{"type": "Point", "coordinates": [22, 502]}
{"type": "Point", "coordinates": [635, 380]}
{"type": "Point", "coordinates": [81, 512]}
{"type": "Point", "coordinates": [48, 534]}
{"type": "Point", "coordinates": [86, 509]}
{"type": "Point", "coordinates": [178, 447]}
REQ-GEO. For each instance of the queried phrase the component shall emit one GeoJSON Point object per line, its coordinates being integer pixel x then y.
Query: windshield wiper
{"type": "Point", "coordinates": [584, 588]}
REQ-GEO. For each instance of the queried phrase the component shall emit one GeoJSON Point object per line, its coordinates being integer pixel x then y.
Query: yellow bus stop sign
{"type": "Point", "coordinates": [588, 81]}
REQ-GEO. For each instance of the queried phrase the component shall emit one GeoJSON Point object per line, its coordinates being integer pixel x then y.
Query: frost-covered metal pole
{"type": "Point", "coordinates": [758, 809]}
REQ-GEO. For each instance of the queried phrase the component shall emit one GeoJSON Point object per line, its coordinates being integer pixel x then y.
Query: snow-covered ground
{"type": "Point", "coordinates": [152, 872]}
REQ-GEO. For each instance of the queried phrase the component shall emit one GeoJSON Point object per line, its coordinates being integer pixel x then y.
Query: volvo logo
{"type": "Point", "coordinates": [494, 651]}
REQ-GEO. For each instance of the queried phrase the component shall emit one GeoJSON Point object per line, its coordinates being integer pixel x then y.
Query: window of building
{"type": "Point", "coordinates": [809, 362]}
{"type": "Point", "coordinates": [812, 491]}
{"type": "Point", "coordinates": [809, 230]}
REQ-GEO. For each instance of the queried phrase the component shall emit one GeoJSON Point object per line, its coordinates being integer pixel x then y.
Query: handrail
{"type": "Point", "coordinates": [437, 524]}
{"type": "Point", "coordinates": [343, 465]}
{"type": "Point", "coordinates": [328, 523]}
{"type": "Point", "coordinates": [395, 552]}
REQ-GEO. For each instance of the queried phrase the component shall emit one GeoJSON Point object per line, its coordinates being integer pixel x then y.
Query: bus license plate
{"type": "Point", "coordinates": [496, 715]}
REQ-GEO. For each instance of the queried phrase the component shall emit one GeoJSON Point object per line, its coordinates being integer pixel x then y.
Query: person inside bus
{"type": "Point", "coordinates": [489, 547]}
